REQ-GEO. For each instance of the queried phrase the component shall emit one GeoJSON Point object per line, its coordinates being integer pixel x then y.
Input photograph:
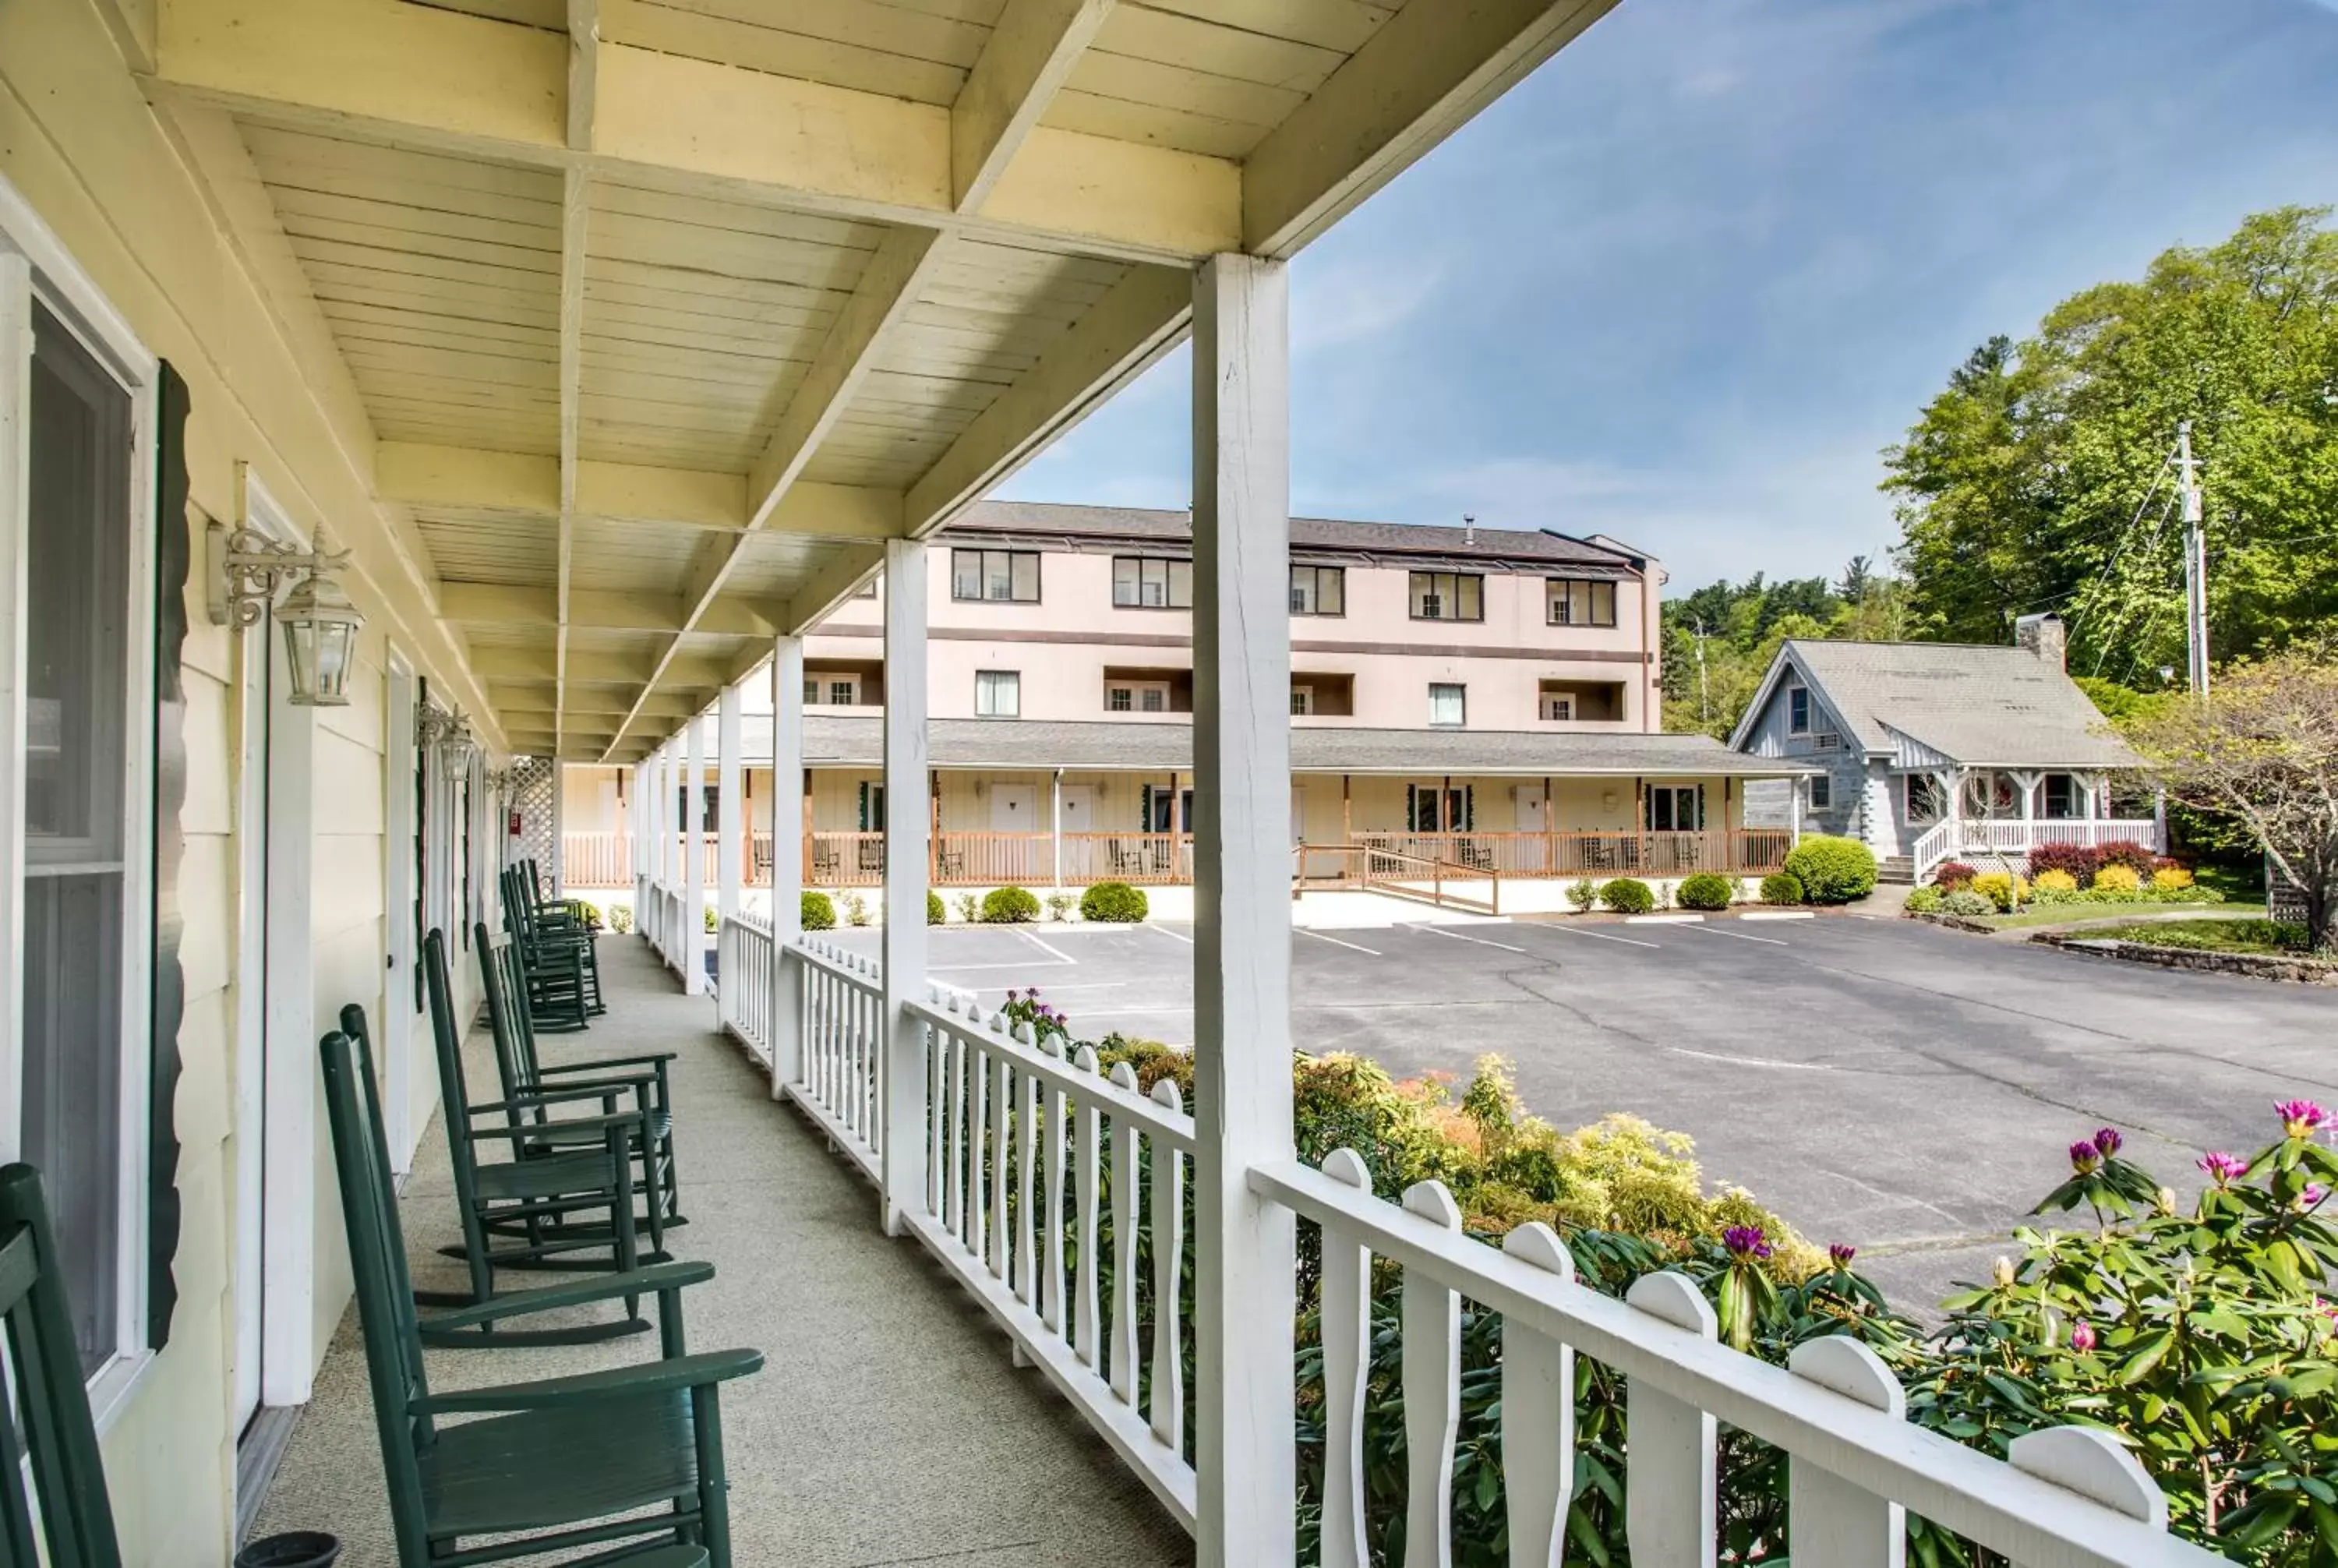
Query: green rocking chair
{"type": "Point", "coordinates": [44, 1414]}
{"type": "Point", "coordinates": [560, 1464]}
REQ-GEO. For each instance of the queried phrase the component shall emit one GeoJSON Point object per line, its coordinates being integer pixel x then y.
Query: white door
{"type": "Point", "coordinates": [1298, 814]}
{"type": "Point", "coordinates": [1530, 818]}
{"type": "Point", "coordinates": [1014, 809]}
{"type": "Point", "coordinates": [1079, 809]}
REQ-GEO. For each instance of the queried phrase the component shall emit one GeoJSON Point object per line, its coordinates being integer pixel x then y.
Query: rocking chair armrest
{"type": "Point", "coordinates": [624, 1121]}
{"type": "Point", "coordinates": [537, 1099]}
{"type": "Point", "coordinates": [655, 1059]}
{"type": "Point", "coordinates": [584, 1292]}
{"type": "Point", "coordinates": [673, 1375]}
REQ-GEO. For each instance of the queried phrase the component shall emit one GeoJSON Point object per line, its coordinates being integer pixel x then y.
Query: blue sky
{"type": "Point", "coordinates": [1682, 284]}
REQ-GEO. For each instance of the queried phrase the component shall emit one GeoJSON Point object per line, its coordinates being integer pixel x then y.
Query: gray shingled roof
{"type": "Point", "coordinates": [1417, 543]}
{"type": "Point", "coordinates": [833, 740]}
{"type": "Point", "coordinates": [1984, 707]}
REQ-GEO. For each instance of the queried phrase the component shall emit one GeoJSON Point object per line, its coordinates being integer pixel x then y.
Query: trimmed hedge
{"type": "Point", "coordinates": [1113, 904]}
{"type": "Point", "coordinates": [1010, 906]}
{"type": "Point", "coordinates": [1781, 888]}
{"type": "Point", "coordinates": [819, 912]}
{"type": "Point", "coordinates": [1628, 895]}
{"type": "Point", "coordinates": [937, 912]}
{"type": "Point", "coordinates": [1832, 870]}
{"type": "Point", "coordinates": [1705, 890]}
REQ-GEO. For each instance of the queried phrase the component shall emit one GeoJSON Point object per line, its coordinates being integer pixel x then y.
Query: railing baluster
{"type": "Point", "coordinates": [1027, 1182]}
{"type": "Point", "coordinates": [1002, 1130]}
{"type": "Point", "coordinates": [951, 1050]}
{"type": "Point", "coordinates": [1831, 1522]}
{"type": "Point", "coordinates": [937, 1051]}
{"type": "Point", "coordinates": [2093, 1464]}
{"type": "Point", "coordinates": [1121, 1359]}
{"type": "Point", "coordinates": [1086, 1340]}
{"type": "Point", "coordinates": [1669, 1504]}
{"type": "Point", "coordinates": [1347, 1318]}
{"type": "Point", "coordinates": [1431, 1372]}
{"type": "Point", "coordinates": [1168, 1271]}
{"type": "Point", "coordinates": [1539, 1415]}
{"type": "Point", "coordinates": [973, 1231]}
{"type": "Point", "coordinates": [1051, 1297]}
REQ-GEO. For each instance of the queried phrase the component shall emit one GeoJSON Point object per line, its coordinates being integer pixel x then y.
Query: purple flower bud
{"type": "Point", "coordinates": [1745, 1243]}
{"type": "Point", "coordinates": [2107, 1142]}
{"type": "Point", "coordinates": [1012, 996]}
{"type": "Point", "coordinates": [1841, 1253]}
{"type": "Point", "coordinates": [2085, 1158]}
{"type": "Point", "coordinates": [2310, 1196]}
{"type": "Point", "coordinates": [2299, 1118]}
{"type": "Point", "coordinates": [2082, 1336]}
{"type": "Point", "coordinates": [2222, 1168]}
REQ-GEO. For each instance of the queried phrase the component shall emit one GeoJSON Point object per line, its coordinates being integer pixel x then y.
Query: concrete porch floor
{"type": "Point", "coordinates": [887, 1427]}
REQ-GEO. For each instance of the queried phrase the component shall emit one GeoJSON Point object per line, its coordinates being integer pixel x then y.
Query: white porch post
{"type": "Point", "coordinates": [692, 936]}
{"type": "Point", "coordinates": [1243, 1288]}
{"type": "Point", "coordinates": [787, 861]}
{"type": "Point", "coordinates": [908, 813]}
{"type": "Point", "coordinates": [727, 841]}
{"type": "Point", "coordinates": [1055, 828]}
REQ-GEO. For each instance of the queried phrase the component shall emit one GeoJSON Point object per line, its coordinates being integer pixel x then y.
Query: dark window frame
{"type": "Point", "coordinates": [1168, 582]}
{"type": "Point", "coordinates": [1413, 595]}
{"type": "Point", "coordinates": [1563, 601]}
{"type": "Point", "coordinates": [982, 576]}
{"type": "Point", "coordinates": [1340, 575]}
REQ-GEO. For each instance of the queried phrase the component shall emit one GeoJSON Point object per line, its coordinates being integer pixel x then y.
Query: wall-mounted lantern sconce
{"type": "Point", "coordinates": [450, 735]}
{"type": "Point", "coordinates": [321, 625]}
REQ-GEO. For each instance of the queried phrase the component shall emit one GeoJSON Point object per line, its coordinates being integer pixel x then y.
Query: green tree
{"type": "Point", "coordinates": [2039, 478]}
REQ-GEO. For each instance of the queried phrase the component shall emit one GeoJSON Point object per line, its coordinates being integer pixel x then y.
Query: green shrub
{"type": "Point", "coordinates": [1781, 888]}
{"type": "Point", "coordinates": [1705, 890]}
{"type": "Point", "coordinates": [621, 918]}
{"type": "Point", "coordinates": [970, 908]}
{"type": "Point", "coordinates": [1583, 893]}
{"type": "Point", "coordinates": [1966, 901]}
{"type": "Point", "coordinates": [1627, 895]}
{"type": "Point", "coordinates": [1010, 906]}
{"type": "Point", "coordinates": [1924, 900]}
{"type": "Point", "coordinates": [1060, 906]}
{"type": "Point", "coordinates": [713, 921]}
{"type": "Point", "coordinates": [1832, 870]}
{"type": "Point", "coordinates": [819, 912]}
{"type": "Point", "coordinates": [2005, 891]}
{"type": "Point", "coordinates": [1113, 903]}
{"type": "Point", "coordinates": [936, 915]}
{"type": "Point", "coordinates": [856, 909]}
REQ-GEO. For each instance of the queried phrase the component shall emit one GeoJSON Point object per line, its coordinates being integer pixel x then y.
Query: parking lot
{"type": "Point", "coordinates": [1905, 1088]}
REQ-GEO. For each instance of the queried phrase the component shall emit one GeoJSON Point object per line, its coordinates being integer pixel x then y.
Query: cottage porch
{"type": "Point", "coordinates": [889, 1425]}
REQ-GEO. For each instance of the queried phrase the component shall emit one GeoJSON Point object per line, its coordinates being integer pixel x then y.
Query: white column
{"type": "Point", "coordinates": [907, 814]}
{"type": "Point", "coordinates": [1056, 828]}
{"type": "Point", "coordinates": [1244, 1292]}
{"type": "Point", "coordinates": [787, 861]}
{"type": "Point", "coordinates": [691, 939]}
{"type": "Point", "coordinates": [728, 843]}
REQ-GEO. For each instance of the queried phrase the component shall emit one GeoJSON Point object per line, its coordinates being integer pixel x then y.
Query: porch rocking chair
{"type": "Point", "coordinates": [561, 969]}
{"type": "Point", "coordinates": [527, 1078]}
{"type": "Point", "coordinates": [559, 1465]}
{"type": "Point", "coordinates": [45, 1410]}
{"type": "Point", "coordinates": [530, 1213]}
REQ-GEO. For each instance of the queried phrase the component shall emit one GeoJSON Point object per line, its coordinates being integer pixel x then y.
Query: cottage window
{"type": "Point", "coordinates": [1797, 710]}
{"type": "Point", "coordinates": [1924, 800]}
{"type": "Point", "coordinates": [1448, 596]}
{"type": "Point", "coordinates": [1821, 793]}
{"type": "Point", "coordinates": [1675, 808]}
{"type": "Point", "coordinates": [998, 695]}
{"type": "Point", "coordinates": [1001, 576]}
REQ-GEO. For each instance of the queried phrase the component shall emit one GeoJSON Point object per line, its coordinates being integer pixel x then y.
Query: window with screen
{"type": "Point", "coordinates": [1143, 583]}
{"type": "Point", "coordinates": [1000, 576]}
{"type": "Point", "coordinates": [1448, 596]}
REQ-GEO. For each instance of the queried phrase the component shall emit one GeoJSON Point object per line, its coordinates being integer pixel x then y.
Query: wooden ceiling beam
{"type": "Point", "coordinates": [1031, 49]}
{"type": "Point", "coordinates": [575, 221]}
{"type": "Point", "coordinates": [386, 71]}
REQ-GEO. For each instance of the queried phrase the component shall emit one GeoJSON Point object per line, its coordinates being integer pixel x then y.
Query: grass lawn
{"type": "Point", "coordinates": [2216, 936]}
{"type": "Point", "coordinates": [2070, 914]}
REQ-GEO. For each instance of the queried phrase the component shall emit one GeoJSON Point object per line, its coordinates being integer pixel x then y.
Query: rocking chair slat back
{"type": "Point", "coordinates": [48, 1414]}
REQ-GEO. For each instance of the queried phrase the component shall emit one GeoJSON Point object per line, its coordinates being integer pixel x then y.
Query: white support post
{"type": "Point", "coordinates": [908, 812]}
{"type": "Point", "coordinates": [691, 941]}
{"type": "Point", "coordinates": [728, 843]}
{"type": "Point", "coordinates": [1055, 828]}
{"type": "Point", "coordinates": [787, 862]}
{"type": "Point", "coordinates": [1246, 1257]}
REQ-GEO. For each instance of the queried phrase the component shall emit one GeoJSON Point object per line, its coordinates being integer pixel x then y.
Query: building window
{"type": "Point", "coordinates": [1558, 707]}
{"type": "Point", "coordinates": [1435, 808]}
{"type": "Point", "coordinates": [1821, 793]}
{"type": "Point", "coordinates": [1119, 699]}
{"type": "Point", "coordinates": [1136, 696]}
{"type": "Point", "coordinates": [1675, 808]}
{"type": "Point", "coordinates": [1924, 802]}
{"type": "Point", "coordinates": [1447, 704]}
{"type": "Point", "coordinates": [1575, 601]}
{"type": "Point", "coordinates": [1001, 576]}
{"type": "Point", "coordinates": [1797, 710]}
{"type": "Point", "coordinates": [1303, 700]}
{"type": "Point", "coordinates": [834, 690]}
{"type": "Point", "coordinates": [2062, 798]}
{"type": "Point", "coordinates": [1319, 589]}
{"type": "Point", "coordinates": [1448, 596]}
{"type": "Point", "coordinates": [1142, 582]}
{"type": "Point", "coordinates": [998, 695]}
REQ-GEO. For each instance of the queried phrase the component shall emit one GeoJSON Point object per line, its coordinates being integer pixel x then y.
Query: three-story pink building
{"type": "Point", "coordinates": [1484, 697]}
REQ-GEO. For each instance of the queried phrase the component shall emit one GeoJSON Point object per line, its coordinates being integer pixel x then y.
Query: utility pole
{"type": "Point", "coordinates": [1704, 692]}
{"type": "Point", "coordinates": [2196, 567]}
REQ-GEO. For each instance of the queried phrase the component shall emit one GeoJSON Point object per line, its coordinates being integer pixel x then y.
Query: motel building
{"type": "Point", "coordinates": [428, 431]}
{"type": "Point", "coordinates": [1465, 702]}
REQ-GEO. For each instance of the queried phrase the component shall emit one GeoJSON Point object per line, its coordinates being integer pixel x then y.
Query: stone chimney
{"type": "Point", "coordinates": [2042, 635]}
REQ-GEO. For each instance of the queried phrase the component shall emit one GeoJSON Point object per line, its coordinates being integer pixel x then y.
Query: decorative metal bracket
{"type": "Point", "coordinates": [248, 568]}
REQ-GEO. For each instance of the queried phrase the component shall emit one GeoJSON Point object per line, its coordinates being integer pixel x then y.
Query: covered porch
{"type": "Point", "coordinates": [1946, 811]}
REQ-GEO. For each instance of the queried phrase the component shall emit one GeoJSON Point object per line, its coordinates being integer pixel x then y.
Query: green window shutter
{"type": "Point", "coordinates": [1412, 808]}
{"type": "Point", "coordinates": [1469, 807]}
{"type": "Point", "coordinates": [1700, 807]}
{"type": "Point", "coordinates": [1144, 809]}
{"type": "Point", "coordinates": [864, 805]}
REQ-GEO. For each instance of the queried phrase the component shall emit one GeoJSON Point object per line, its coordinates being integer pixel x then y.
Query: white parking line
{"type": "Point", "coordinates": [1480, 941]}
{"type": "Point", "coordinates": [1188, 941]}
{"type": "Point", "coordinates": [963, 968]}
{"type": "Point", "coordinates": [1335, 942]}
{"type": "Point", "coordinates": [1043, 947]}
{"type": "Point", "coordinates": [1601, 935]}
{"type": "Point", "coordinates": [1741, 936]}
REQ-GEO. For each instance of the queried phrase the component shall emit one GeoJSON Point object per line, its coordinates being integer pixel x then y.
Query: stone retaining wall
{"type": "Point", "coordinates": [2261, 966]}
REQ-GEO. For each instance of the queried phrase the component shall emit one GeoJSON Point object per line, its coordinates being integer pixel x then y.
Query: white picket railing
{"type": "Point", "coordinates": [1999, 836]}
{"type": "Point", "coordinates": [1039, 1170]}
{"type": "Point", "coordinates": [743, 981]}
{"type": "Point", "coordinates": [2071, 1497]}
